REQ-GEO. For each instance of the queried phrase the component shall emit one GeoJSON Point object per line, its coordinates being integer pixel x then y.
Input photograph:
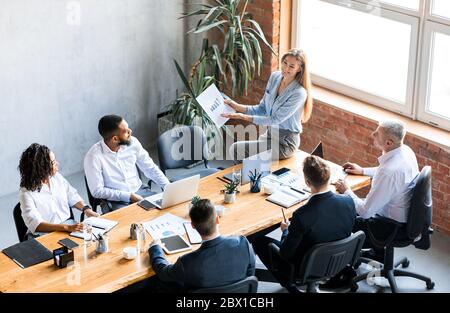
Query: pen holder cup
{"type": "Point", "coordinates": [62, 257]}
{"type": "Point", "coordinates": [255, 186]}
{"type": "Point", "coordinates": [102, 244]}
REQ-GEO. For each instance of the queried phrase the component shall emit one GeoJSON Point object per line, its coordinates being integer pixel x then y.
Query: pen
{"type": "Point", "coordinates": [299, 191]}
{"type": "Point", "coordinates": [222, 179]}
{"type": "Point", "coordinates": [284, 216]}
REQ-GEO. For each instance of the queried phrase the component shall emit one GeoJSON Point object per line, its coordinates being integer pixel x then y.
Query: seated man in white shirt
{"type": "Point", "coordinates": [111, 166]}
{"type": "Point", "coordinates": [392, 184]}
{"type": "Point", "coordinates": [45, 196]}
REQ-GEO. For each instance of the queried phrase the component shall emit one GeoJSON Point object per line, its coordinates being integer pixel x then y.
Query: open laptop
{"type": "Point", "coordinates": [175, 193]}
{"type": "Point", "coordinates": [262, 162]}
{"type": "Point", "coordinates": [337, 171]}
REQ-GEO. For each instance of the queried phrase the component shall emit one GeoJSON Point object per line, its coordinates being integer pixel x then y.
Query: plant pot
{"type": "Point", "coordinates": [230, 197]}
{"type": "Point", "coordinates": [255, 186]}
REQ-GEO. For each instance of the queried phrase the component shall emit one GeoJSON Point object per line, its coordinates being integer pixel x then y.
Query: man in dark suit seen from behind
{"type": "Point", "coordinates": [219, 260]}
{"type": "Point", "coordinates": [326, 217]}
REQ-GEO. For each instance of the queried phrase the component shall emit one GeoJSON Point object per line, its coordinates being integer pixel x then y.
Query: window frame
{"type": "Point", "coordinates": [419, 59]}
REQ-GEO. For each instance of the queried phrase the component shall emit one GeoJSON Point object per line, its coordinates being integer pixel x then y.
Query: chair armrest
{"type": "Point", "coordinates": [273, 250]}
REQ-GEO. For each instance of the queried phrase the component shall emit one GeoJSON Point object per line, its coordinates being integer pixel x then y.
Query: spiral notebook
{"type": "Point", "coordinates": [287, 197]}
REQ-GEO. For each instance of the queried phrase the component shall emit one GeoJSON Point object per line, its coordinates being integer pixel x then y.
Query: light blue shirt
{"type": "Point", "coordinates": [284, 111]}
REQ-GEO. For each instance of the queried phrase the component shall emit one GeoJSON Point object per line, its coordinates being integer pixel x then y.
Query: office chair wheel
{"type": "Point", "coordinates": [430, 286]}
{"type": "Point", "coordinates": [405, 264]}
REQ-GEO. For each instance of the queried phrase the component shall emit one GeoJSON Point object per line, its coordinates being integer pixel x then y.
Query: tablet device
{"type": "Point", "coordinates": [146, 205]}
{"type": "Point", "coordinates": [68, 243]}
{"type": "Point", "coordinates": [193, 235]}
{"type": "Point", "coordinates": [175, 244]}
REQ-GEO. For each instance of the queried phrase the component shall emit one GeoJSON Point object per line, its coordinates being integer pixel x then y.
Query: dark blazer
{"type": "Point", "coordinates": [326, 217]}
{"type": "Point", "coordinates": [220, 261]}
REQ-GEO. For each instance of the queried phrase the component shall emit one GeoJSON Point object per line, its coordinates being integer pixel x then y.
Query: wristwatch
{"type": "Point", "coordinates": [86, 207]}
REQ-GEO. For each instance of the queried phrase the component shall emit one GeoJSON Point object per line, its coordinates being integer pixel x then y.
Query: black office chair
{"type": "Point", "coordinates": [93, 202]}
{"type": "Point", "coordinates": [188, 137]}
{"type": "Point", "coordinates": [417, 232]}
{"type": "Point", "coordinates": [21, 228]}
{"type": "Point", "coordinates": [321, 262]}
{"type": "Point", "coordinates": [247, 285]}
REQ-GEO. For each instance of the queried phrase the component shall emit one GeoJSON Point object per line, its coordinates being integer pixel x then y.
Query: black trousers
{"type": "Point", "coordinates": [380, 229]}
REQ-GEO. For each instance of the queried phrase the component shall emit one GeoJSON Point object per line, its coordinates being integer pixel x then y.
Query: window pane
{"type": "Point", "coordinates": [441, 8]}
{"type": "Point", "coordinates": [439, 99]}
{"type": "Point", "coordinates": [410, 4]}
{"type": "Point", "coordinates": [364, 51]}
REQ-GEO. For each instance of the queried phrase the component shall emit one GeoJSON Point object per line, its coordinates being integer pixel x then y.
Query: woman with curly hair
{"type": "Point", "coordinates": [45, 195]}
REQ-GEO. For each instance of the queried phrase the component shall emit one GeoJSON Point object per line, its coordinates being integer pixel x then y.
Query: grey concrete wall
{"type": "Point", "coordinates": [60, 71]}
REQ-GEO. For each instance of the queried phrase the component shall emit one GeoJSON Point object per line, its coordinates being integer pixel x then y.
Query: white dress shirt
{"type": "Point", "coordinates": [50, 205]}
{"type": "Point", "coordinates": [113, 175]}
{"type": "Point", "coordinates": [392, 183]}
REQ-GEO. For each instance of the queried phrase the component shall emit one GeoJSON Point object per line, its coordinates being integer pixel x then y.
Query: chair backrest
{"type": "Point", "coordinates": [21, 228]}
{"type": "Point", "coordinates": [327, 259]}
{"type": "Point", "coordinates": [94, 202]}
{"type": "Point", "coordinates": [421, 209]}
{"type": "Point", "coordinates": [188, 143]}
{"type": "Point", "coordinates": [247, 285]}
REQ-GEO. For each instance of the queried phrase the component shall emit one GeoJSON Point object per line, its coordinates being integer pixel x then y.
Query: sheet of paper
{"type": "Point", "coordinates": [212, 102]}
{"type": "Point", "coordinates": [165, 226]}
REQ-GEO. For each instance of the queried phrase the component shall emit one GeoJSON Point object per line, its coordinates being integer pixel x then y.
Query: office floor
{"type": "Point", "coordinates": [434, 263]}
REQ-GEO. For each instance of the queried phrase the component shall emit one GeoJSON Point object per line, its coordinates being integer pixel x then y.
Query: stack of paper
{"type": "Point", "coordinates": [165, 226]}
{"type": "Point", "coordinates": [99, 226]}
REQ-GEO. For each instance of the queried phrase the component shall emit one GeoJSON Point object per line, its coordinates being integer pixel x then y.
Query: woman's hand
{"type": "Point", "coordinates": [90, 212]}
{"type": "Point", "coordinates": [74, 227]}
{"type": "Point", "coordinates": [238, 116]}
{"type": "Point", "coordinates": [231, 103]}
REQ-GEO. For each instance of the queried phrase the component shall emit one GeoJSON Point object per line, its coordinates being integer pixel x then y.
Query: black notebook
{"type": "Point", "coordinates": [28, 253]}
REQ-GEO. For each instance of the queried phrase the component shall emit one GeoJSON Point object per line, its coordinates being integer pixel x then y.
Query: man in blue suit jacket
{"type": "Point", "coordinates": [326, 217]}
{"type": "Point", "coordinates": [219, 260]}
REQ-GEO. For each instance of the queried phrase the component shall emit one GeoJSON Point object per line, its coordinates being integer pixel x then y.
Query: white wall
{"type": "Point", "coordinates": [58, 78]}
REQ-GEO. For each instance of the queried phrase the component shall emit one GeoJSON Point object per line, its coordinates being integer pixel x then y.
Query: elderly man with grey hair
{"type": "Point", "coordinates": [392, 183]}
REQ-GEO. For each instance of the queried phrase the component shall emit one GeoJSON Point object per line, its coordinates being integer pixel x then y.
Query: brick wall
{"type": "Point", "coordinates": [346, 136]}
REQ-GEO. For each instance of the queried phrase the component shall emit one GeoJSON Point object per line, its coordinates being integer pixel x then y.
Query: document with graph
{"type": "Point", "coordinates": [212, 101]}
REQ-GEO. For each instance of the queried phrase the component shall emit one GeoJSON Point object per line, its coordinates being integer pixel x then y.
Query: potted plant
{"type": "Point", "coordinates": [230, 192]}
{"type": "Point", "coordinates": [237, 59]}
{"type": "Point", "coordinates": [194, 201]}
{"type": "Point", "coordinates": [255, 181]}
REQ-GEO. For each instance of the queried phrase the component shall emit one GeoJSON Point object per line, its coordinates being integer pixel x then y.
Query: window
{"type": "Point", "coordinates": [391, 53]}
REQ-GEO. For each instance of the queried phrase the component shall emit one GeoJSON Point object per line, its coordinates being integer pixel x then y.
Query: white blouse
{"type": "Point", "coordinates": [50, 205]}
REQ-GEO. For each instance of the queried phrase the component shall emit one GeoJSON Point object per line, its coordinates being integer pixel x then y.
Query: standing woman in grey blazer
{"type": "Point", "coordinates": [286, 104]}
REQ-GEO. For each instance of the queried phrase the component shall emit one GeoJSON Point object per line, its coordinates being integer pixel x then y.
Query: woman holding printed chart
{"type": "Point", "coordinates": [286, 104]}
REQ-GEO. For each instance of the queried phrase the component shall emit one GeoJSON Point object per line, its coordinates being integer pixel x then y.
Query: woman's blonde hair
{"type": "Point", "coordinates": [304, 79]}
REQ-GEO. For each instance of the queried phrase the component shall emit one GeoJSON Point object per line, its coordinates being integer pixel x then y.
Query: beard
{"type": "Point", "coordinates": [124, 142]}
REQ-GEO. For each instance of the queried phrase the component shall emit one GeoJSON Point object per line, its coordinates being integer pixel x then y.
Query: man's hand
{"type": "Point", "coordinates": [341, 186]}
{"type": "Point", "coordinates": [135, 198]}
{"type": "Point", "coordinates": [90, 212]}
{"type": "Point", "coordinates": [155, 242]}
{"type": "Point", "coordinates": [74, 228]}
{"type": "Point", "coordinates": [354, 169]}
{"type": "Point", "coordinates": [284, 225]}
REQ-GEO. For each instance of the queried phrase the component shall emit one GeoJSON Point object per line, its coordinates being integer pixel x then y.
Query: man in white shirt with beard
{"type": "Point", "coordinates": [111, 166]}
{"type": "Point", "coordinates": [392, 184]}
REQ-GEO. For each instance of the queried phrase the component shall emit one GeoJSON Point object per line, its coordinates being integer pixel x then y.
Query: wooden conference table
{"type": "Point", "coordinates": [109, 272]}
